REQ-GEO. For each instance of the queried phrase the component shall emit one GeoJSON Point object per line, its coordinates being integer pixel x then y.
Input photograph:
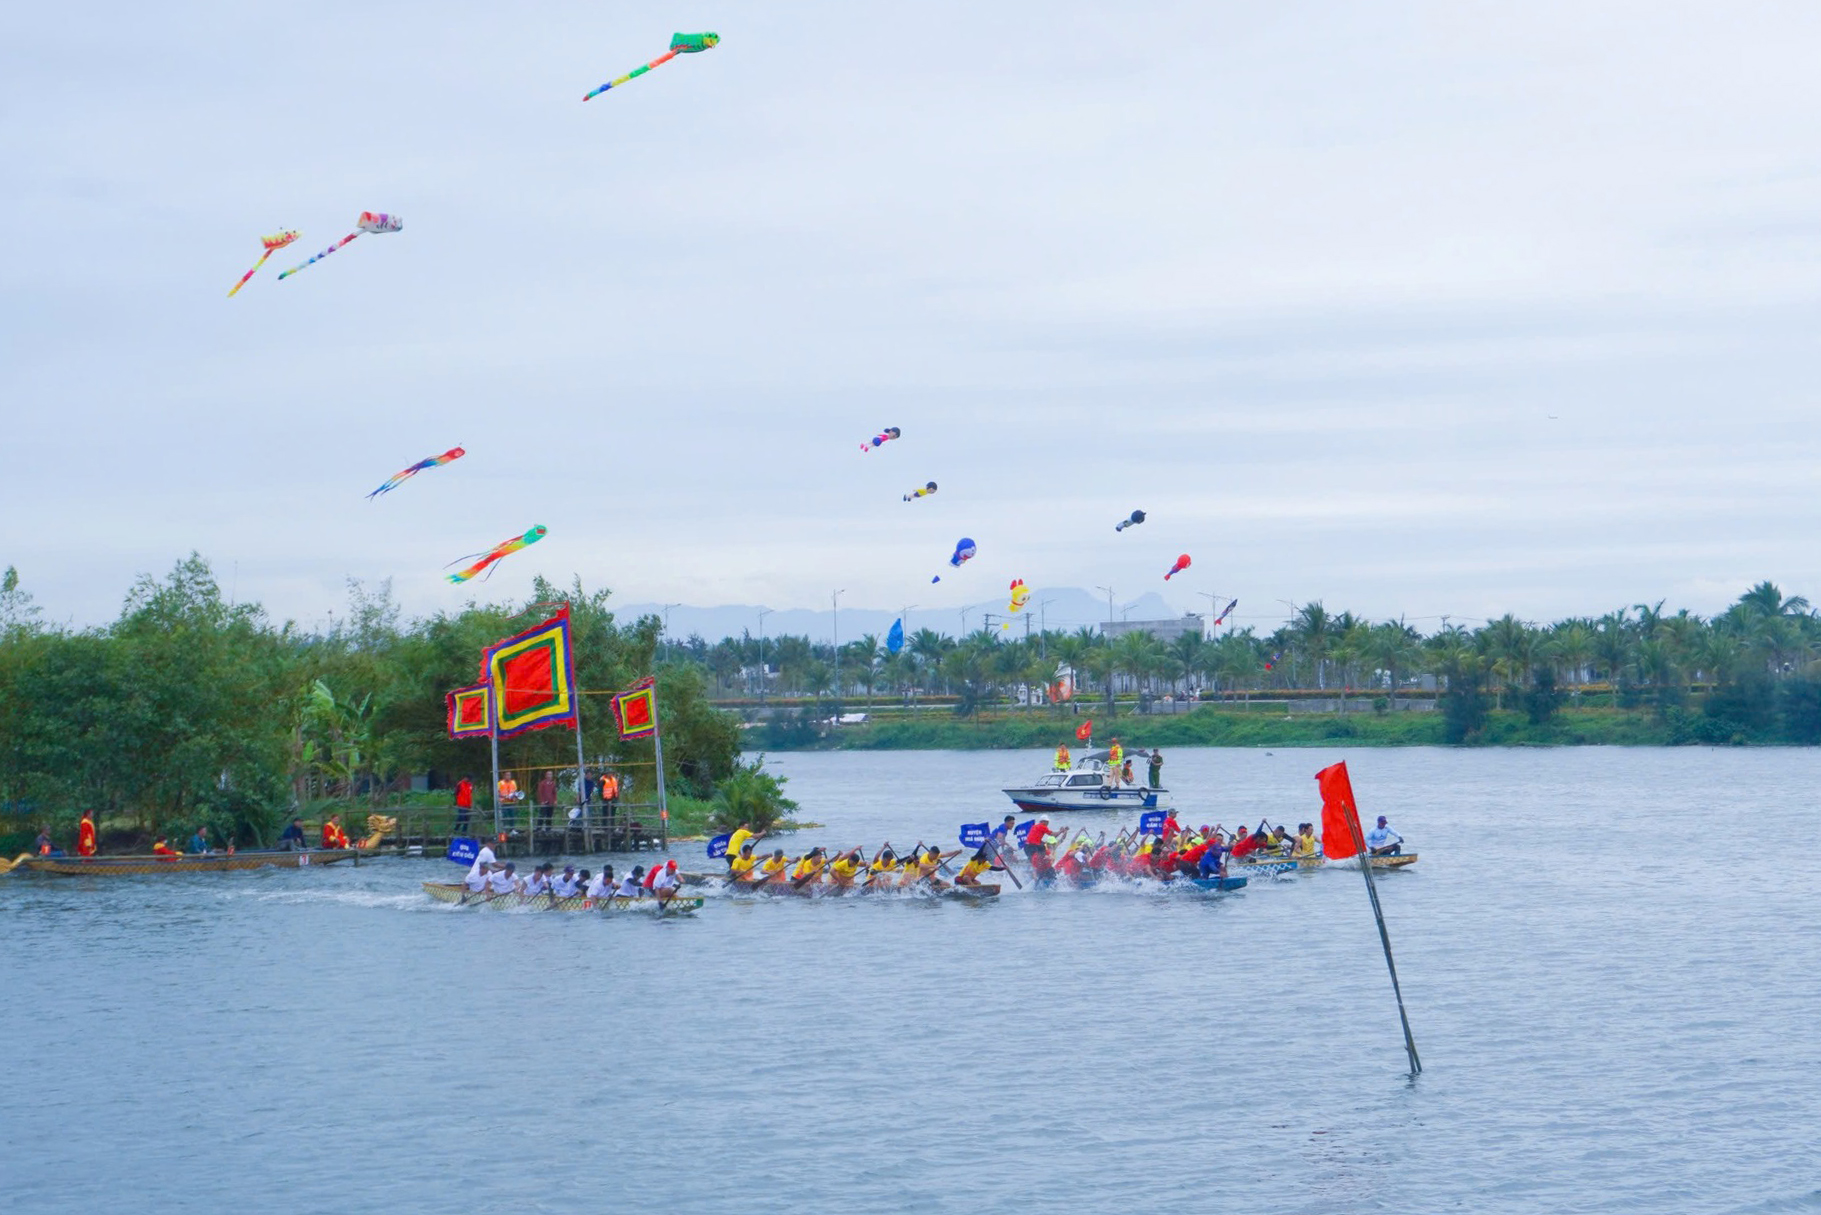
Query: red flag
{"type": "Point", "coordinates": [1085, 730]}
{"type": "Point", "coordinates": [1339, 815]}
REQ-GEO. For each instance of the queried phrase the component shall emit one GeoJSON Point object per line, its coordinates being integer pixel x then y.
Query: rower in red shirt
{"type": "Point", "coordinates": [85, 834]}
{"type": "Point", "coordinates": [1246, 844]}
{"type": "Point", "coordinates": [332, 834]}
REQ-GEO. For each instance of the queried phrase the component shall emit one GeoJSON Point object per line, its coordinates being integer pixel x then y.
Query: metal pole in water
{"type": "Point", "coordinates": [1384, 937]}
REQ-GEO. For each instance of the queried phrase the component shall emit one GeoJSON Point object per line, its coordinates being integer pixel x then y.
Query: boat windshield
{"type": "Point", "coordinates": [1051, 781]}
{"type": "Point", "coordinates": [1091, 779]}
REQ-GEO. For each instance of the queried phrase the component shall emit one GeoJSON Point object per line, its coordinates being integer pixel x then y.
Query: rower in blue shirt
{"type": "Point", "coordinates": [1382, 841]}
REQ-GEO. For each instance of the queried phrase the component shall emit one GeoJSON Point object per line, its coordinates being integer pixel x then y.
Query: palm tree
{"type": "Point", "coordinates": [1612, 647]}
{"type": "Point", "coordinates": [1573, 642]}
{"type": "Point", "coordinates": [1312, 632]}
{"type": "Point", "coordinates": [1394, 648]}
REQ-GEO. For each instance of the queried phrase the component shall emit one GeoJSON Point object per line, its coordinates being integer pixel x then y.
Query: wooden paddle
{"type": "Point", "coordinates": [1003, 864]}
{"type": "Point", "coordinates": [797, 883]}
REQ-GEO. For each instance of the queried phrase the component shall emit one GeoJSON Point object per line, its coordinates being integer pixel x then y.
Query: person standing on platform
{"type": "Point", "coordinates": [1063, 760]}
{"type": "Point", "coordinates": [85, 834]}
{"type": "Point", "coordinates": [546, 800]}
{"type": "Point", "coordinates": [1156, 769]}
{"type": "Point", "coordinates": [464, 804]}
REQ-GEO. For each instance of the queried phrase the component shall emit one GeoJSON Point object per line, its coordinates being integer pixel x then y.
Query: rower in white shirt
{"type": "Point", "coordinates": [602, 886]}
{"type": "Point", "coordinates": [665, 884]}
{"type": "Point", "coordinates": [632, 886]}
{"type": "Point", "coordinates": [503, 880]}
{"type": "Point", "coordinates": [538, 883]}
{"type": "Point", "coordinates": [477, 872]}
{"type": "Point", "coordinates": [565, 886]}
{"type": "Point", "coordinates": [1382, 841]}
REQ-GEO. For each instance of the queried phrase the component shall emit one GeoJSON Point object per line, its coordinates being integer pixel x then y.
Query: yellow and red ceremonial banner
{"type": "Point", "coordinates": [533, 678]}
{"type": "Point", "coordinates": [635, 711]}
{"type": "Point", "coordinates": [470, 711]}
{"type": "Point", "coordinates": [1340, 832]}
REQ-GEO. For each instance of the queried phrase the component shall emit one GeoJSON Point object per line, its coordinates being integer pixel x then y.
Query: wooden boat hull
{"type": "Point", "coordinates": [458, 894]}
{"type": "Point", "coordinates": [823, 890]}
{"type": "Point", "coordinates": [135, 866]}
{"type": "Point", "coordinates": [1287, 864]}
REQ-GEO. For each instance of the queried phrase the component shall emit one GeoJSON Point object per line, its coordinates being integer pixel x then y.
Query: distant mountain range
{"type": "Point", "coordinates": [1057, 607]}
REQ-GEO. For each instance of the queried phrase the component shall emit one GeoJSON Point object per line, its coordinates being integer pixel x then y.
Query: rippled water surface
{"type": "Point", "coordinates": [1612, 960]}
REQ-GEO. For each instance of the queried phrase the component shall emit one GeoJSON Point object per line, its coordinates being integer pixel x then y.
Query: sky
{"type": "Point", "coordinates": [1418, 310]}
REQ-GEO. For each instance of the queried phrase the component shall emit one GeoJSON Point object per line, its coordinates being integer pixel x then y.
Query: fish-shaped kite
{"type": "Point", "coordinates": [925, 492]}
{"type": "Point", "coordinates": [680, 44]}
{"type": "Point", "coordinates": [964, 552]}
{"type": "Point", "coordinates": [376, 222]}
{"type": "Point", "coordinates": [1133, 520]}
{"type": "Point", "coordinates": [273, 244]}
{"type": "Point", "coordinates": [1182, 563]}
{"type": "Point", "coordinates": [398, 478]}
{"type": "Point", "coordinates": [505, 549]}
{"type": "Point", "coordinates": [1222, 618]}
{"type": "Point", "coordinates": [881, 439]}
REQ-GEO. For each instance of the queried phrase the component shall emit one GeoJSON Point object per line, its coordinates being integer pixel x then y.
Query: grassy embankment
{"type": "Point", "coordinates": [1212, 727]}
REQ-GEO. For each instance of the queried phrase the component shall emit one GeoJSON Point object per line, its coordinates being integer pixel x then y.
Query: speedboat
{"type": "Point", "coordinates": [1087, 786]}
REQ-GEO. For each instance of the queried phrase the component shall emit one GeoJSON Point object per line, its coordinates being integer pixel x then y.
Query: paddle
{"type": "Point", "coordinates": [797, 883]}
{"type": "Point", "coordinates": [1000, 857]}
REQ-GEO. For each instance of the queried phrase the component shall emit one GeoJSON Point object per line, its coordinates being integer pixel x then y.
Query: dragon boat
{"type": "Point", "coordinates": [209, 862]}
{"type": "Point", "coordinates": [787, 889]}
{"type": "Point", "coordinates": [458, 894]}
{"type": "Point", "coordinates": [1290, 864]}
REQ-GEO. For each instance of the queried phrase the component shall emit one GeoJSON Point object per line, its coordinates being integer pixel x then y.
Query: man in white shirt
{"type": "Point", "coordinates": [539, 882]}
{"type": "Point", "coordinates": [1382, 841]}
{"type": "Point", "coordinates": [565, 887]}
{"type": "Point", "coordinates": [633, 884]}
{"type": "Point", "coordinates": [477, 872]}
{"type": "Point", "coordinates": [602, 886]}
{"type": "Point", "coordinates": [503, 880]}
{"type": "Point", "coordinates": [665, 884]}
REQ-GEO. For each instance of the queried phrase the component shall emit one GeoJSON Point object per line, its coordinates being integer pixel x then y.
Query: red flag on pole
{"type": "Point", "coordinates": [1085, 730]}
{"type": "Point", "coordinates": [1339, 815]}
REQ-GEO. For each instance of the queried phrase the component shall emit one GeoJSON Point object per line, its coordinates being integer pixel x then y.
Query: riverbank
{"type": "Point", "coordinates": [1221, 727]}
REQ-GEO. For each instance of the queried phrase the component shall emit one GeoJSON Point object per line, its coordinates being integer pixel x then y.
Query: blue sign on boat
{"type": "Point", "coordinates": [974, 834]}
{"type": "Point", "coordinates": [463, 851]}
{"type": "Point", "coordinates": [718, 845]}
{"type": "Point", "coordinates": [1151, 824]}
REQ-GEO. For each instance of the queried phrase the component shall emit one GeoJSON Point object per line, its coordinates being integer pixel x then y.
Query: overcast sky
{"type": "Point", "coordinates": [1414, 309]}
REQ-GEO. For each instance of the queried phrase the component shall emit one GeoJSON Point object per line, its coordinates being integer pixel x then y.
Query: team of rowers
{"type": "Point", "coordinates": [490, 878]}
{"type": "Point", "coordinates": [1174, 851]}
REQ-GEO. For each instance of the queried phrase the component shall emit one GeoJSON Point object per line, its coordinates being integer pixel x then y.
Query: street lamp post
{"type": "Point", "coordinates": [835, 633]}
{"type": "Point", "coordinates": [763, 613]}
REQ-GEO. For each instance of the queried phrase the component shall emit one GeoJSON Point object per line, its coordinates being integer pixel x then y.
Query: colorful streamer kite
{"type": "Point", "coordinates": [376, 222]}
{"type": "Point", "coordinates": [925, 492]}
{"type": "Point", "coordinates": [1134, 520]}
{"type": "Point", "coordinates": [1222, 618]}
{"type": "Point", "coordinates": [505, 549]}
{"type": "Point", "coordinates": [964, 552]}
{"type": "Point", "coordinates": [881, 439]}
{"type": "Point", "coordinates": [273, 244]}
{"type": "Point", "coordinates": [680, 44]}
{"type": "Point", "coordinates": [1182, 563]}
{"type": "Point", "coordinates": [398, 478]}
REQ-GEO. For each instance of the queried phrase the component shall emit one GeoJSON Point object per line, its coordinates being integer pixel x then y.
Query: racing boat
{"type": "Point", "coordinates": [209, 862]}
{"type": "Point", "coordinates": [459, 894]}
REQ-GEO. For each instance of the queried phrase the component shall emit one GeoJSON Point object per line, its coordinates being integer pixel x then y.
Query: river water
{"type": "Point", "coordinates": [1611, 960]}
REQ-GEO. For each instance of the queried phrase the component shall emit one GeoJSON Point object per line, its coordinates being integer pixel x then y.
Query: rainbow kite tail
{"type": "Point", "coordinates": [249, 274]}
{"type": "Point", "coordinates": [635, 73]}
{"type": "Point", "coordinates": [332, 248]}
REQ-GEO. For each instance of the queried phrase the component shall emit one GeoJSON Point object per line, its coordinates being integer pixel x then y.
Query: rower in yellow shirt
{"type": "Point", "coordinates": [846, 868]}
{"type": "Point", "coordinates": [808, 867]}
{"type": "Point", "coordinates": [773, 865]}
{"type": "Point", "coordinates": [1305, 841]}
{"type": "Point", "coordinates": [978, 864]}
{"type": "Point", "coordinates": [742, 836]}
{"type": "Point", "coordinates": [740, 867]}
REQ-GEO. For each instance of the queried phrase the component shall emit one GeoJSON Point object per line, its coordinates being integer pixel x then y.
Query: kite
{"type": "Point", "coordinates": [1136, 518]}
{"type": "Point", "coordinates": [680, 44]}
{"type": "Point", "coordinates": [1222, 618]}
{"type": "Point", "coordinates": [273, 244]}
{"type": "Point", "coordinates": [894, 640]}
{"type": "Point", "coordinates": [376, 222]}
{"type": "Point", "coordinates": [881, 439]}
{"type": "Point", "coordinates": [505, 549]}
{"type": "Point", "coordinates": [925, 492]}
{"type": "Point", "coordinates": [1182, 563]}
{"type": "Point", "coordinates": [398, 478]}
{"type": "Point", "coordinates": [964, 551]}
{"type": "Point", "coordinates": [1020, 595]}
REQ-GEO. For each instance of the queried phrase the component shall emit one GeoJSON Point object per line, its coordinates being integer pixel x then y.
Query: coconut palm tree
{"type": "Point", "coordinates": [1312, 632]}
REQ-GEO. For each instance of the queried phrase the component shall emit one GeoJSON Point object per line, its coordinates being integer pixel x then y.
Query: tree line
{"type": "Point", "coordinates": [1749, 669]}
{"type": "Point", "coordinates": [189, 710]}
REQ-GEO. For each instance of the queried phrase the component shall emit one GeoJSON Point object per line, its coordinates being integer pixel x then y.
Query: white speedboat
{"type": "Point", "coordinates": [1087, 786]}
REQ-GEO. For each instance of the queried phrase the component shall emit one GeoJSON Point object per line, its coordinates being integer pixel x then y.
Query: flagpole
{"type": "Point", "coordinates": [1384, 937]}
{"type": "Point", "coordinates": [493, 739]}
{"type": "Point", "coordinates": [657, 746]}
